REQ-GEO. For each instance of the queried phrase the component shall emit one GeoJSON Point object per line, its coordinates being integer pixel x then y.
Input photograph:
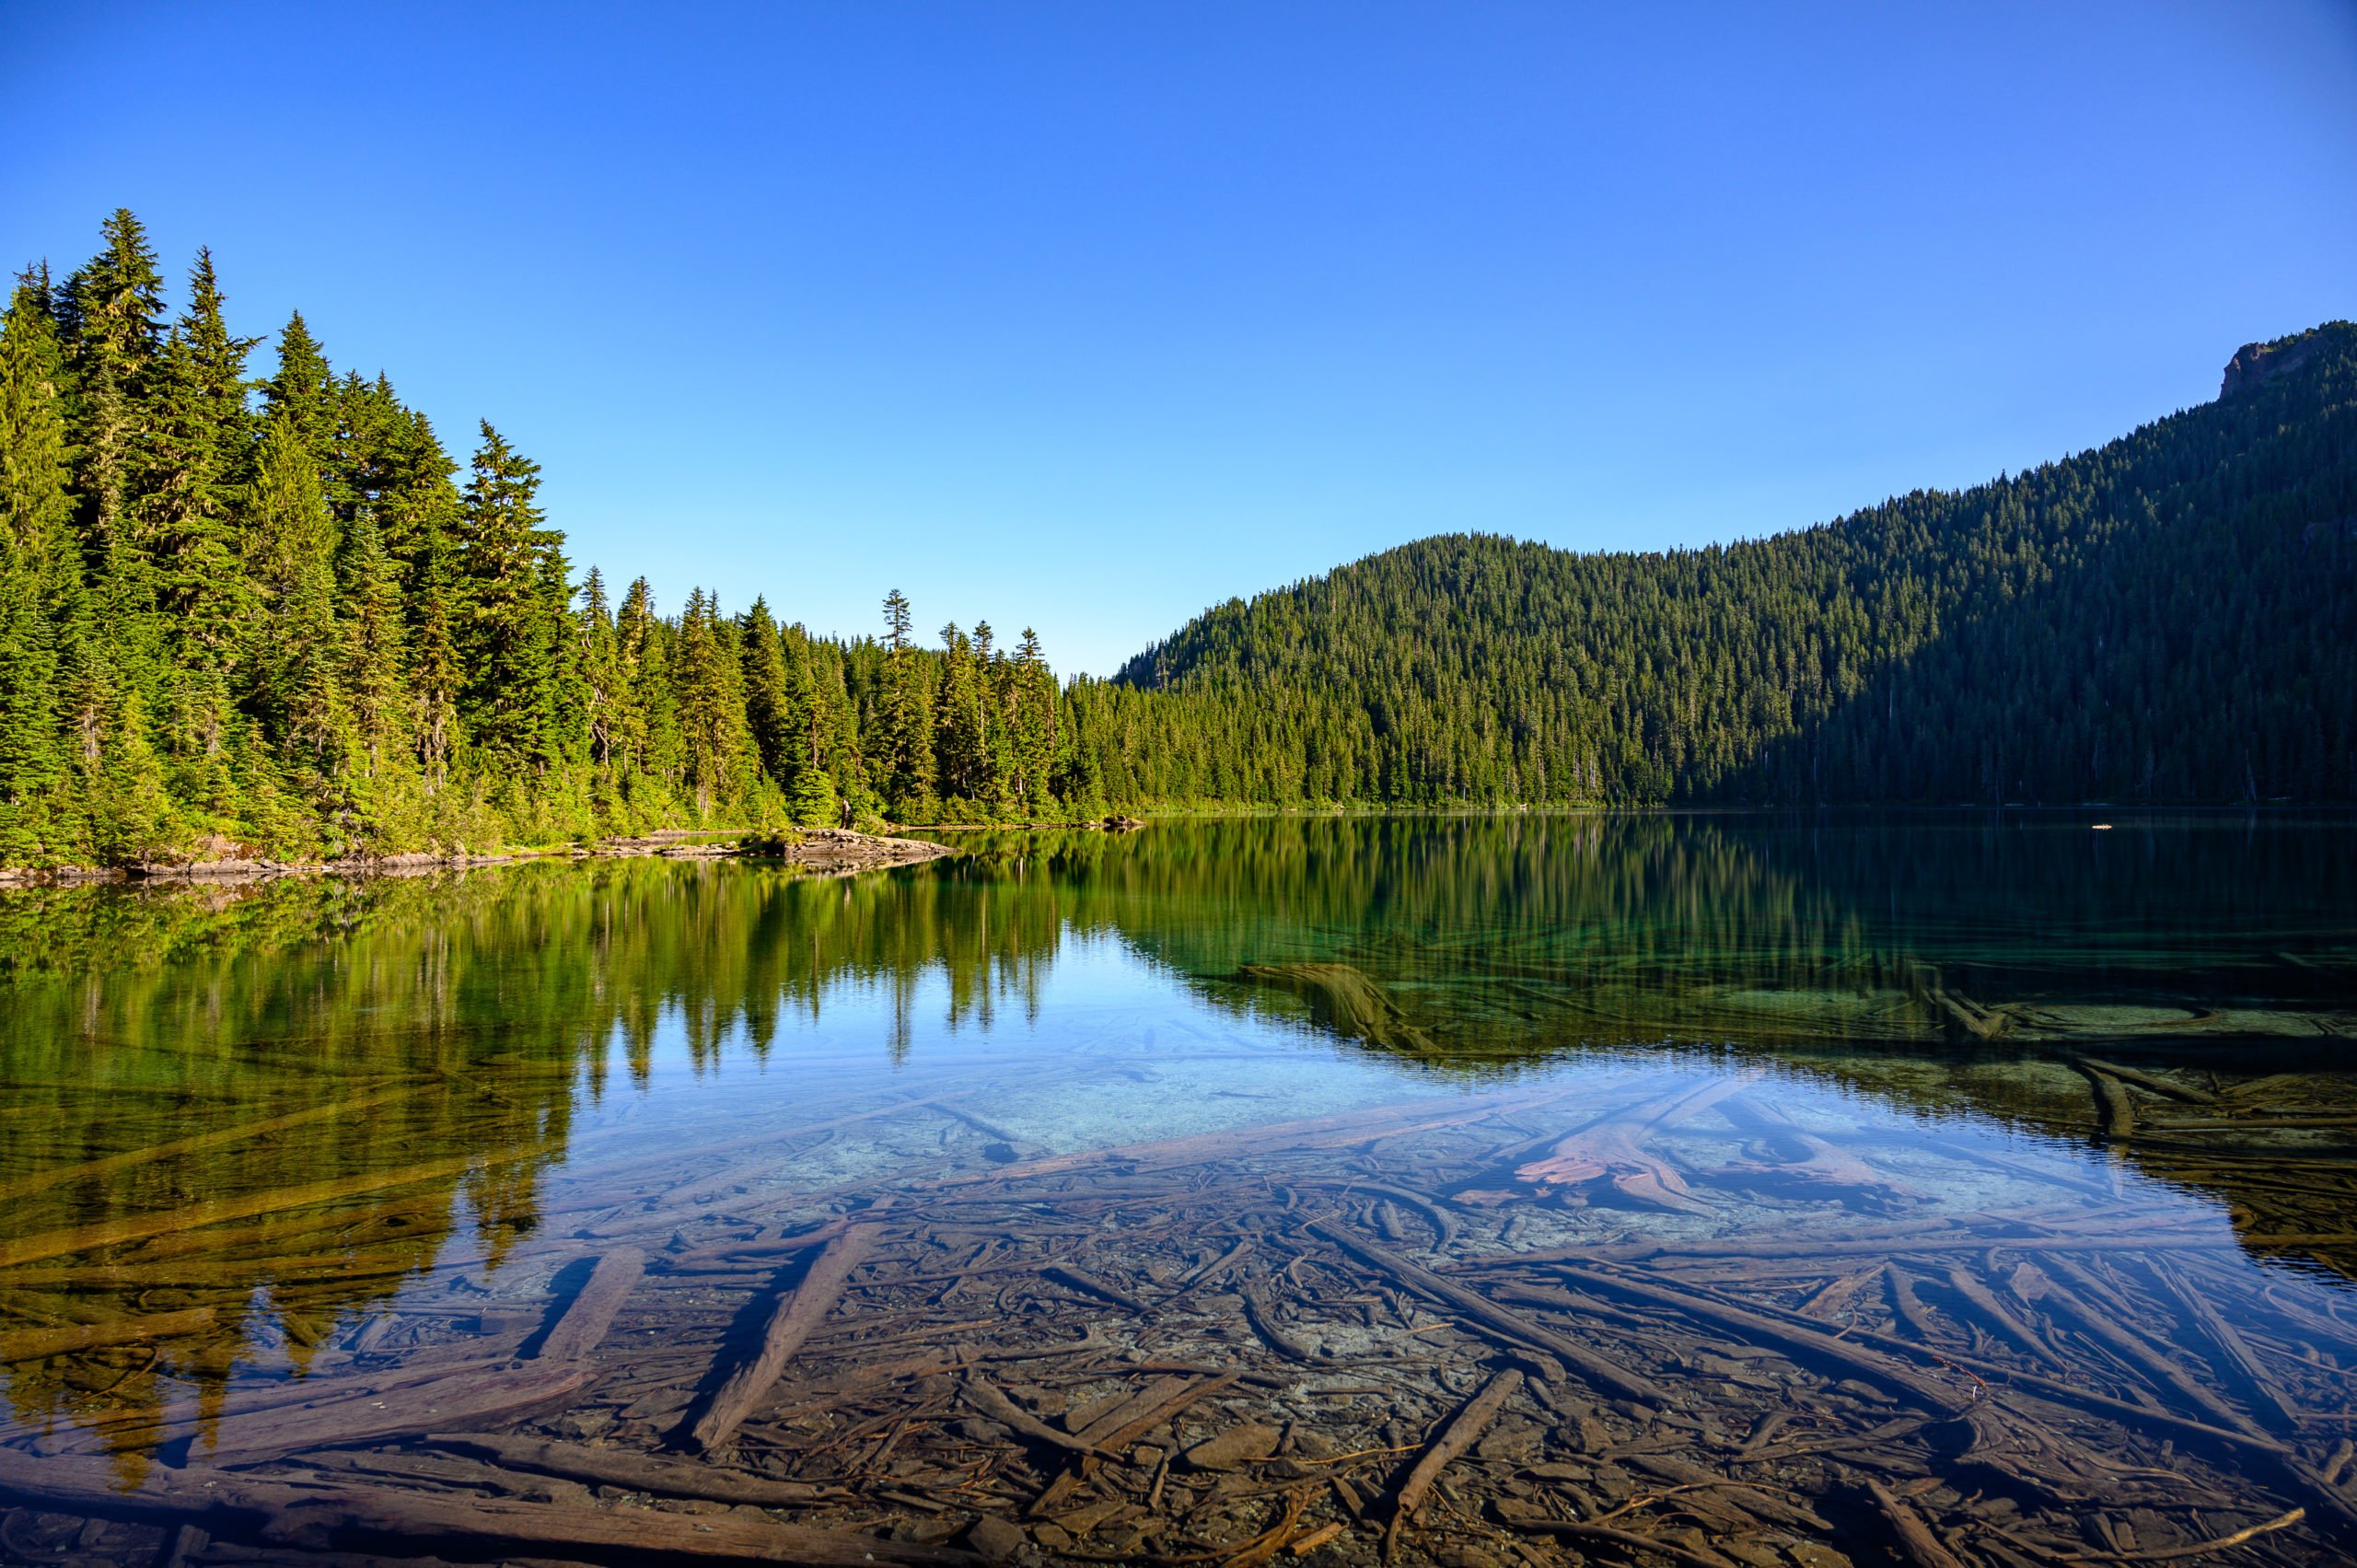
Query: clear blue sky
{"type": "Point", "coordinates": [1088, 316]}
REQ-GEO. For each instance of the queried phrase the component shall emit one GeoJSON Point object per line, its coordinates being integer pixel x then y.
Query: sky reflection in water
{"type": "Point", "coordinates": [323, 1121]}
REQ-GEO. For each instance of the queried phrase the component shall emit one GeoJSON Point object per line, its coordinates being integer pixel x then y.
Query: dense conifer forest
{"type": "Point", "coordinates": [2172, 616]}
{"type": "Point", "coordinates": [273, 613]}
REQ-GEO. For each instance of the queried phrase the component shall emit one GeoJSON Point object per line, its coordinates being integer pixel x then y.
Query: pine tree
{"type": "Point", "coordinates": [1031, 726]}
{"type": "Point", "coordinates": [648, 726]}
{"type": "Point", "coordinates": [960, 758]}
{"type": "Point", "coordinates": [769, 711]}
{"type": "Point", "coordinates": [627, 745]}
{"type": "Point", "coordinates": [712, 706]}
{"type": "Point", "coordinates": [907, 752]}
{"type": "Point", "coordinates": [813, 802]}
{"type": "Point", "coordinates": [111, 312]}
{"type": "Point", "coordinates": [600, 655]}
{"type": "Point", "coordinates": [505, 644]}
{"type": "Point", "coordinates": [435, 677]}
{"type": "Point", "coordinates": [299, 655]}
{"type": "Point", "coordinates": [375, 668]}
{"type": "Point", "coordinates": [38, 565]}
{"type": "Point", "coordinates": [303, 393]}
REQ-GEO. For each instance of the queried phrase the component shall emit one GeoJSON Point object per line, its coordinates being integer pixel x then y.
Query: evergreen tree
{"type": "Point", "coordinates": [302, 392]}
{"type": "Point", "coordinates": [712, 706]}
{"type": "Point", "coordinates": [769, 708]}
{"type": "Point", "coordinates": [436, 679]}
{"type": "Point", "coordinates": [111, 312]}
{"type": "Point", "coordinates": [296, 634]}
{"type": "Point", "coordinates": [375, 673]}
{"type": "Point", "coordinates": [298, 656]}
{"type": "Point", "coordinates": [813, 803]}
{"type": "Point", "coordinates": [960, 755]}
{"type": "Point", "coordinates": [508, 645]}
{"type": "Point", "coordinates": [37, 567]}
{"type": "Point", "coordinates": [1031, 726]}
{"type": "Point", "coordinates": [906, 755]}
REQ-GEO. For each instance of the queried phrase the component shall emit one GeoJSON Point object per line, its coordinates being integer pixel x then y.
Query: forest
{"type": "Point", "coordinates": [246, 613]}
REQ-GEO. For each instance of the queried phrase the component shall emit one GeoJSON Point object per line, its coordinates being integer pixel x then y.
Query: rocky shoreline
{"type": "Point", "coordinates": [826, 852]}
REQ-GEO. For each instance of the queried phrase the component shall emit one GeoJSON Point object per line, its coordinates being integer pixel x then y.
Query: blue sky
{"type": "Point", "coordinates": [1088, 316]}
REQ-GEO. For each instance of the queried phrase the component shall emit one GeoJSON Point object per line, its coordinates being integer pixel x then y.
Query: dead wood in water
{"type": "Point", "coordinates": [1600, 1370]}
{"type": "Point", "coordinates": [1345, 1000]}
{"type": "Point", "coordinates": [2114, 1109]}
{"type": "Point", "coordinates": [792, 1319]}
{"type": "Point", "coordinates": [1922, 1548]}
{"type": "Point", "coordinates": [38, 1180]}
{"type": "Point", "coordinates": [585, 1319]}
{"type": "Point", "coordinates": [1610, 1150]}
{"type": "Point", "coordinates": [636, 1472]}
{"type": "Point", "coordinates": [110, 1233]}
{"type": "Point", "coordinates": [34, 1344]}
{"type": "Point", "coordinates": [343, 1517]}
{"type": "Point", "coordinates": [1231, 1347]}
{"type": "Point", "coordinates": [1463, 1431]}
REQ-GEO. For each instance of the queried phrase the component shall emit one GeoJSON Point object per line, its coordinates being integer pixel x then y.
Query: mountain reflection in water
{"type": "Point", "coordinates": [1636, 1109]}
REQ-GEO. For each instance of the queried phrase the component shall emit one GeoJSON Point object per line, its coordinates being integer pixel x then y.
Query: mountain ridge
{"type": "Point", "coordinates": [2196, 562]}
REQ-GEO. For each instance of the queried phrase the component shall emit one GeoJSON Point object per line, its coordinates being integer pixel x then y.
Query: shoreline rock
{"type": "Point", "coordinates": [826, 852]}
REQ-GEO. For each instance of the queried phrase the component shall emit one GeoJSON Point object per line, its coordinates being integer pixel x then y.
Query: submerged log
{"type": "Point", "coordinates": [1924, 1548]}
{"type": "Point", "coordinates": [1345, 1000]}
{"type": "Point", "coordinates": [1599, 1369]}
{"type": "Point", "coordinates": [1815, 1343]}
{"type": "Point", "coordinates": [450, 1398]}
{"type": "Point", "coordinates": [1611, 1150]}
{"type": "Point", "coordinates": [636, 1472]}
{"type": "Point", "coordinates": [591, 1312]}
{"type": "Point", "coordinates": [33, 1345]}
{"type": "Point", "coordinates": [38, 1180]}
{"type": "Point", "coordinates": [985, 1397]}
{"type": "Point", "coordinates": [2114, 1109]}
{"type": "Point", "coordinates": [2167, 1088]}
{"type": "Point", "coordinates": [792, 1318]}
{"type": "Point", "coordinates": [138, 1227]}
{"type": "Point", "coordinates": [2196, 1548]}
{"type": "Point", "coordinates": [346, 1516]}
{"type": "Point", "coordinates": [1462, 1431]}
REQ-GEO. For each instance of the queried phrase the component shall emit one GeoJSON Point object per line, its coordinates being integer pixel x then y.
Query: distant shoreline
{"type": "Point", "coordinates": [839, 851]}
{"type": "Point", "coordinates": [827, 852]}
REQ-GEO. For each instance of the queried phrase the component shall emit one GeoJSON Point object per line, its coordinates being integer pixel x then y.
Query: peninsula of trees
{"type": "Point", "coordinates": [247, 613]}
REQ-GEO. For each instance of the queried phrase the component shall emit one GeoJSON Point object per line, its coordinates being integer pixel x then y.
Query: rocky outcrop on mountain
{"type": "Point", "coordinates": [2256, 363]}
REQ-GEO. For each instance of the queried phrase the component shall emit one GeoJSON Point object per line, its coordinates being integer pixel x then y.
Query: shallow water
{"type": "Point", "coordinates": [1977, 1102]}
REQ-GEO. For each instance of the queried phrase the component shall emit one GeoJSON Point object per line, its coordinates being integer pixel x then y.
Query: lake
{"type": "Point", "coordinates": [1711, 1189]}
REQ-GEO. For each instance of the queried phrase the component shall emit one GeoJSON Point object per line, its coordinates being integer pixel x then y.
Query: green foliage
{"type": "Point", "coordinates": [2169, 618]}
{"type": "Point", "coordinates": [264, 617]}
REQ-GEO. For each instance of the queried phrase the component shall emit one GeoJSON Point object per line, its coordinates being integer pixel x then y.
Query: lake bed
{"type": "Point", "coordinates": [1465, 1190]}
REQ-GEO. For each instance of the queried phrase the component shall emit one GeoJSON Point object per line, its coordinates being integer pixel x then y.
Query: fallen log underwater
{"type": "Point", "coordinates": [1039, 1358]}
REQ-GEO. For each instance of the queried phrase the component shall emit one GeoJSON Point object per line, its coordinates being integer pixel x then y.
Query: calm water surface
{"type": "Point", "coordinates": [1995, 1099]}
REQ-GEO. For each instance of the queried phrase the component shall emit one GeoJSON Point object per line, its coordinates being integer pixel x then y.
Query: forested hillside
{"type": "Point", "coordinates": [270, 613]}
{"type": "Point", "coordinates": [2168, 618]}
{"type": "Point", "coordinates": [246, 613]}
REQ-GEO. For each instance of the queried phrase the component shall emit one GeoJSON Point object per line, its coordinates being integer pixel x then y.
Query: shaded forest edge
{"type": "Point", "coordinates": [250, 618]}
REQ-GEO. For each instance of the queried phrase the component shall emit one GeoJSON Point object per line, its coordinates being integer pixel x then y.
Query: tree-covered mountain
{"type": "Point", "coordinates": [2169, 617]}
{"type": "Point", "coordinates": [248, 613]}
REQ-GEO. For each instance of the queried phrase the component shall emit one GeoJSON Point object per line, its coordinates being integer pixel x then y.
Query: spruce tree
{"type": "Point", "coordinates": [39, 566]}
{"type": "Point", "coordinates": [111, 311]}
{"type": "Point", "coordinates": [769, 711]}
{"type": "Point", "coordinates": [297, 655]}
{"type": "Point", "coordinates": [302, 392]}
{"type": "Point", "coordinates": [504, 643]}
{"type": "Point", "coordinates": [712, 706]}
{"type": "Point", "coordinates": [906, 761]}
{"type": "Point", "coordinates": [375, 675]}
{"type": "Point", "coordinates": [813, 801]}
